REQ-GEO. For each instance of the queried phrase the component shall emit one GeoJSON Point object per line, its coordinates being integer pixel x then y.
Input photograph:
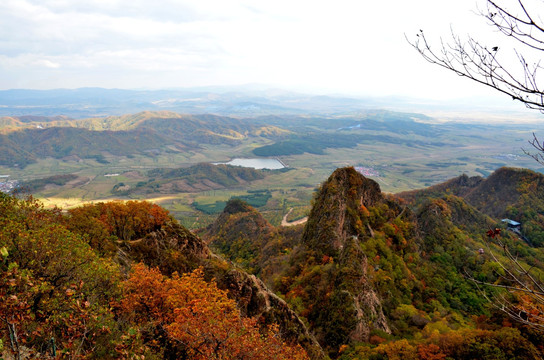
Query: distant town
{"type": "Point", "coordinates": [7, 186]}
{"type": "Point", "coordinates": [367, 171]}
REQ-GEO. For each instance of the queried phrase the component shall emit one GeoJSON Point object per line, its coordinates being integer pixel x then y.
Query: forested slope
{"type": "Point", "coordinates": [517, 194]}
{"type": "Point", "coordinates": [368, 277]}
{"type": "Point", "coordinates": [125, 280]}
{"type": "Point", "coordinates": [378, 280]}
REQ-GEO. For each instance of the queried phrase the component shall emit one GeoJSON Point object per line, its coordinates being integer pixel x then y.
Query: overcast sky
{"type": "Point", "coordinates": [340, 46]}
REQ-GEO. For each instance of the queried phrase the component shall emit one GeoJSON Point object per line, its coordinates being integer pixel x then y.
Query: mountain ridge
{"type": "Point", "coordinates": [365, 260]}
{"type": "Point", "coordinates": [507, 193]}
{"type": "Point", "coordinates": [369, 277]}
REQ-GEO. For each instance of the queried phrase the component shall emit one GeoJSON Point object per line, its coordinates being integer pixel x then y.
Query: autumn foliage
{"type": "Point", "coordinates": [74, 285]}
{"type": "Point", "coordinates": [199, 317]}
{"type": "Point", "coordinates": [62, 293]}
{"type": "Point", "coordinates": [125, 220]}
{"type": "Point", "coordinates": [54, 288]}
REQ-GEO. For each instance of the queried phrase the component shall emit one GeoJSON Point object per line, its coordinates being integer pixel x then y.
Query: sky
{"type": "Point", "coordinates": [348, 47]}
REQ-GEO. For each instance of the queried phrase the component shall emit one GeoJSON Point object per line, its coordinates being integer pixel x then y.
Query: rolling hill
{"type": "Point", "coordinates": [200, 177]}
{"type": "Point", "coordinates": [21, 147]}
{"type": "Point", "coordinates": [144, 133]}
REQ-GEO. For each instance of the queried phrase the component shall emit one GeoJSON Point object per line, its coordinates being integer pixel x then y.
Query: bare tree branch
{"type": "Point", "coordinates": [526, 303]}
{"type": "Point", "coordinates": [522, 28]}
{"type": "Point", "coordinates": [471, 59]}
{"type": "Point", "coordinates": [539, 146]}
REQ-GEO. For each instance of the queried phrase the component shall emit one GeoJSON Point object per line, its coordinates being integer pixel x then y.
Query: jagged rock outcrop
{"type": "Point", "coordinates": [171, 248]}
{"type": "Point", "coordinates": [254, 299]}
{"type": "Point", "coordinates": [337, 225]}
{"type": "Point", "coordinates": [174, 248]}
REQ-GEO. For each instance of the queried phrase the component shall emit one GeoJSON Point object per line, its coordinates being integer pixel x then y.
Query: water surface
{"type": "Point", "coordinates": [271, 164]}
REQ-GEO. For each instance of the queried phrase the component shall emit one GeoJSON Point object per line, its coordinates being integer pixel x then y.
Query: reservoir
{"type": "Point", "coordinates": [271, 164]}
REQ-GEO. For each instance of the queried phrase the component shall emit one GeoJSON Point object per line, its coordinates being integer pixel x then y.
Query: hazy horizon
{"type": "Point", "coordinates": [349, 48]}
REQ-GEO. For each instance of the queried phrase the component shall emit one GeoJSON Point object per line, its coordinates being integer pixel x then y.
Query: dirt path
{"type": "Point", "coordinates": [284, 221]}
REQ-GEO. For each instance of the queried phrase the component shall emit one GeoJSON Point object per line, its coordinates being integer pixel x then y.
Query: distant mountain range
{"type": "Point", "coordinates": [91, 102]}
{"type": "Point", "coordinates": [237, 101]}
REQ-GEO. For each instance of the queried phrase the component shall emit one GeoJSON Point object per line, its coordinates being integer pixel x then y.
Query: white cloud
{"type": "Point", "coordinates": [48, 63]}
{"type": "Point", "coordinates": [341, 46]}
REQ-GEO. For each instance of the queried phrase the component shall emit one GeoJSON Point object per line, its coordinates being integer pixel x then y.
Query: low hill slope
{"type": "Point", "coordinates": [205, 128]}
{"type": "Point", "coordinates": [242, 235]}
{"type": "Point", "coordinates": [30, 144]}
{"type": "Point", "coordinates": [25, 139]}
{"type": "Point", "coordinates": [200, 177]}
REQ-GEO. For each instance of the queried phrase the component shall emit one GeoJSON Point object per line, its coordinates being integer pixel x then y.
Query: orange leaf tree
{"type": "Point", "coordinates": [125, 220]}
{"type": "Point", "coordinates": [199, 318]}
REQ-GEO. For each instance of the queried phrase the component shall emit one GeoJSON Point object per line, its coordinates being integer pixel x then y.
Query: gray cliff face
{"type": "Point", "coordinates": [365, 301]}
{"type": "Point", "coordinates": [337, 226]}
{"type": "Point", "coordinates": [254, 299]}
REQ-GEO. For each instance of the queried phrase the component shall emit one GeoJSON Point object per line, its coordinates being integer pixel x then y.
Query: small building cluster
{"type": "Point", "coordinates": [8, 186]}
{"type": "Point", "coordinates": [511, 224]}
{"type": "Point", "coordinates": [367, 171]}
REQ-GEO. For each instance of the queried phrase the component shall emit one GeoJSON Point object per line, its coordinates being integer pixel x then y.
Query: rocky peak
{"type": "Point", "coordinates": [338, 210]}
{"type": "Point", "coordinates": [239, 225]}
{"type": "Point", "coordinates": [337, 226]}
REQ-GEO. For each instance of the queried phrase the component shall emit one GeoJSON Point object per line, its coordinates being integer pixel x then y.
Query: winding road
{"type": "Point", "coordinates": [284, 221]}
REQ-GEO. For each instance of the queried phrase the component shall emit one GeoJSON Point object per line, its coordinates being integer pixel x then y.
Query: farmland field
{"type": "Point", "coordinates": [402, 155]}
